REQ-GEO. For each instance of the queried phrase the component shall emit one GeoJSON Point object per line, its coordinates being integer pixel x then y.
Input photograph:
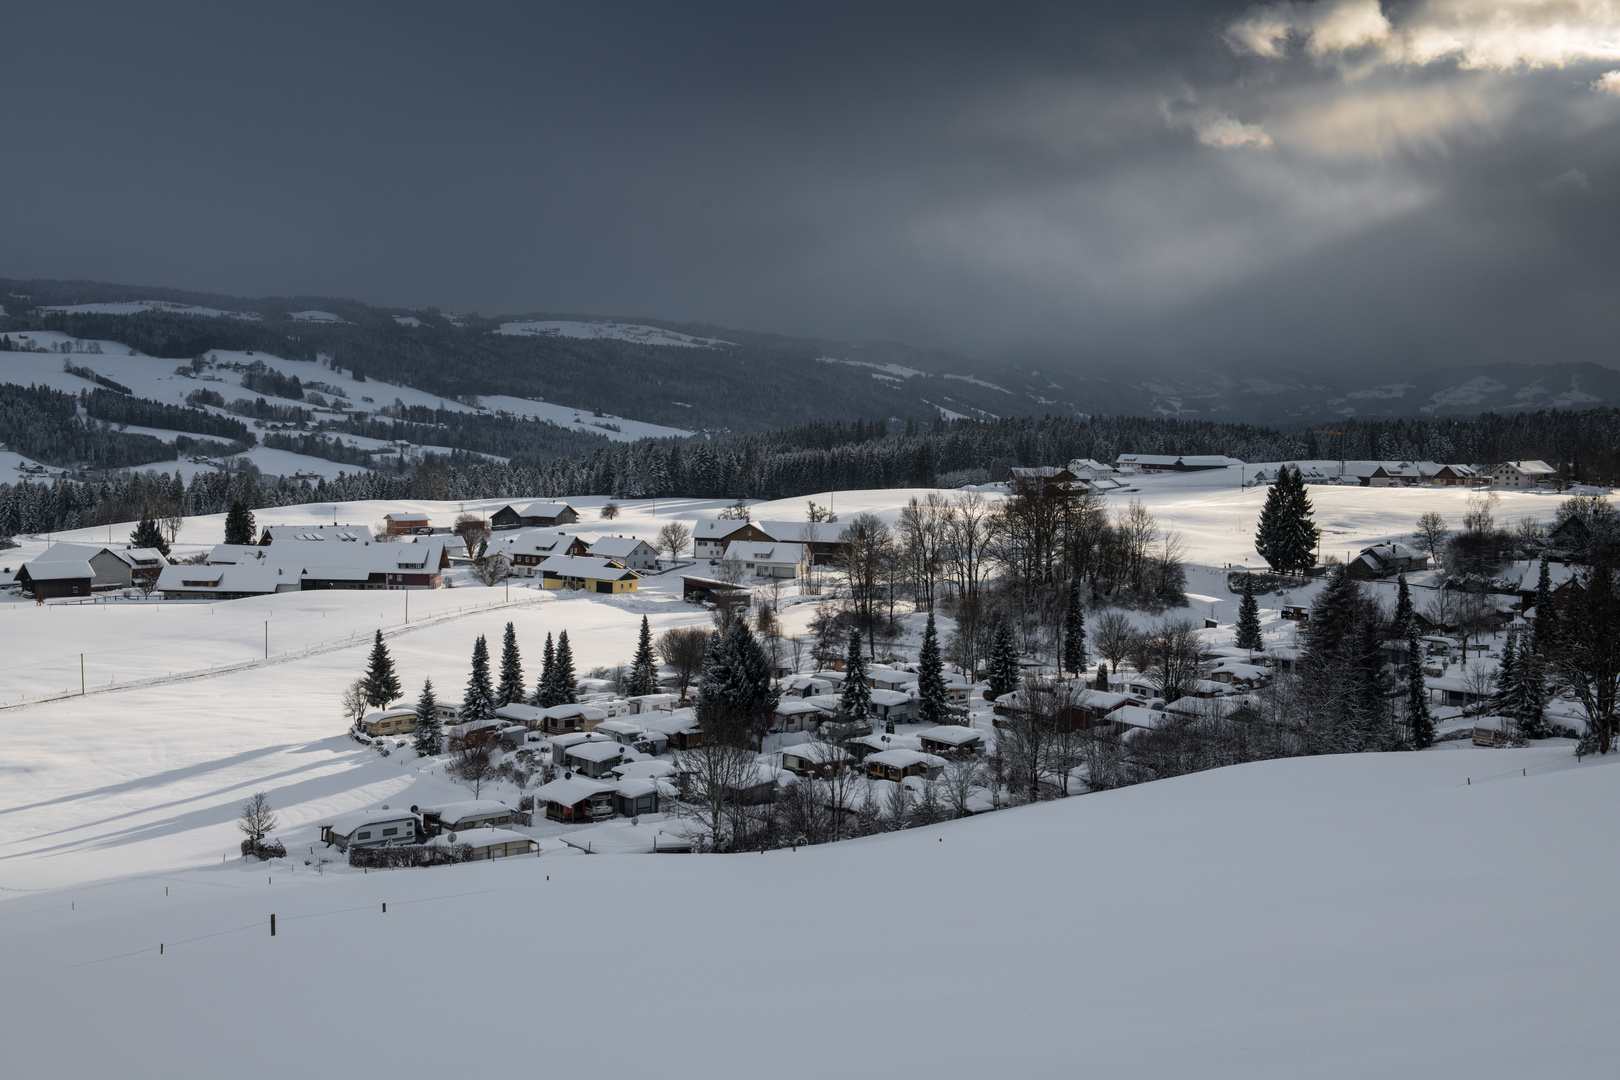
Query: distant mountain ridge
{"type": "Point", "coordinates": [701, 377]}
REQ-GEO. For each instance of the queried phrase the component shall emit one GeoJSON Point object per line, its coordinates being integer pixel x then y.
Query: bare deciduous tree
{"type": "Point", "coordinates": [257, 820]}
{"type": "Point", "coordinates": [1430, 534]}
{"type": "Point", "coordinates": [472, 769]}
{"type": "Point", "coordinates": [473, 531]}
{"type": "Point", "coordinates": [963, 775]}
{"type": "Point", "coordinates": [673, 538]}
{"type": "Point", "coordinates": [1113, 636]}
{"type": "Point", "coordinates": [683, 649]}
{"type": "Point", "coordinates": [491, 569]}
{"type": "Point", "coordinates": [354, 701]}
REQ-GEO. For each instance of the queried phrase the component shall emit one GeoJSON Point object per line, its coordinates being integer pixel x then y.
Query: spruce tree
{"type": "Point", "coordinates": [1102, 675]}
{"type": "Point", "coordinates": [1531, 700]}
{"type": "Point", "coordinates": [565, 684]}
{"type": "Point", "coordinates": [1004, 673]}
{"type": "Point", "coordinates": [737, 694]}
{"type": "Point", "coordinates": [1405, 620]}
{"type": "Point", "coordinates": [1074, 632]}
{"type": "Point", "coordinates": [1545, 635]}
{"type": "Point", "coordinates": [429, 736]}
{"type": "Point", "coordinates": [511, 688]}
{"type": "Point", "coordinates": [1506, 688]}
{"type": "Point", "coordinates": [1418, 719]}
{"type": "Point", "coordinates": [643, 666]}
{"type": "Point", "coordinates": [148, 535]}
{"type": "Point", "coordinates": [380, 684]}
{"type": "Point", "coordinates": [239, 524]}
{"type": "Point", "coordinates": [478, 703]}
{"type": "Point", "coordinates": [1268, 533]}
{"type": "Point", "coordinates": [856, 696]}
{"type": "Point", "coordinates": [1248, 621]}
{"type": "Point", "coordinates": [543, 690]}
{"type": "Point", "coordinates": [931, 700]}
{"type": "Point", "coordinates": [1285, 536]}
{"type": "Point", "coordinates": [1299, 538]}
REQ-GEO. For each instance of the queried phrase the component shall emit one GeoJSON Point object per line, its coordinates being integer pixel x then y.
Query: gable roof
{"type": "Point", "coordinates": [721, 528]}
{"type": "Point", "coordinates": [579, 566]}
{"type": "Point", "coordinates": [618, 547]}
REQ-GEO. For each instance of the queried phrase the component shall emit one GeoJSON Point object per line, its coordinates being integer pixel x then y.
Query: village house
{"type": "Point", "coordinates": [771, 559]}
{"type": "Point", "coordinates": [1156, 463]}
{"type": "Point", "coordinates": [540, 515]}
{"type": "Point", "coordinates": [574, 573]}
{"type": "Point", "coordinates": [893, 706]}
{"type": "Point", "coordinates": [594, 759]}
{"type": "Point", "coordinates": [1523, 474]}
{"type": "Point", "coordinates": [820, 760]}
{"type": "Point", "coordinates": [526, 550]}
{"type": "Point", "coordinates": [1459, 476]}
{"type": "Point", "coordinates": [1088, 469]}
{"type": "Point", "coordinates": [564, 719]}
{"type": "Point", "coordinates": [679, 727]}
{"type": "Point", "coordinates": [1386, 560]}
{"type": "Point", "coordinates": [711, 538]}
{"type": "Point", "coordinates": [628, 551]}
{"type": "Point", "coordinates": [949, 740]}
{"type": "Point", "coordinates": [577, 799]}
{"type": "Point", "coordinates": [900, 763]}
{"type": "Point", "coordinates": [464, 815]}
{"type": "Point", "coordinates": [1048, 481]}
{"type": "Point", "coordinates": [116, 567]}
{"type": "Point", "coordinates": [822, 540]}
{"type": "Point", "coordinates": [371, 828]}
{"type": "Point", "coordinates": [405, 524]}
{"type": "Point", "coordinates": [293, 564]}
{"type": "Point", "coordinates": [48, 580]}
{"type": "Point", "coordinates": [336, 534]}
{"type": "Point", "coordinates": [796, 714]}
{"type": "Point", "coordinates": [389, 722]}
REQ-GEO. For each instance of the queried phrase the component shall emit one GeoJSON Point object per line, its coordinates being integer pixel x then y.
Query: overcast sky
{"type": "Point", "coordinates": [1315, 183]}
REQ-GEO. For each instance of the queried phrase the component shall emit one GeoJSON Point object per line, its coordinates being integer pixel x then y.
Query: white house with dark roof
{"type": "Point", "coordinates": [628, 551]}
{"type": "Point", "coordinates": [1523, 474]}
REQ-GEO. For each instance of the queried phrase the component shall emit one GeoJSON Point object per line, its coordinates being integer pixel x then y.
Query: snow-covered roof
{"type": "Point", "coordinates": [815, 532]}
{"type": "Point", "coordinates": [604, 750]}
{"type": "Point", "coordinates": [792, 706]}
{"type": "Point", "coordinates": [481, 838]}
{"type": "Point", "coordinates": [523, 714]}
{"type": "Point", "coordinates": [902, 758]}
{"type": "Point", "coordinates": [624, 838]}
{"type": "Point", "coordinates": [216, 578]}
{"type": "Point", "coordinates": [579, 566]}
{"type": "Point", "coordinates": [403, 516]}
{"type": "Point", "coordinates": [467, 808]}
{"type": "Point", "coordinates": [537, 509]}
{"type": "Point", "coordinates": [1529, 468]}
{"type": "Point", "coordinates": [346, 824]}
{"type": "Point", "coordinates": [651, 769]}
{"type": "Point", "coordinates": [766, 551]}
{"type": "Point", "coordinates": [571, 791]}
{"type": "Point", "coordinates": [312, 534]}
{"type": "Point", "coordinates": [619, 547]}
{"type": "Point", "coordinates": [636, 787]}
{"type": "Point", "coordinates": [59, 569]}
{"type": "Point", "coordinates": [534, 541]}
{"type": "Point", "coordinates": [718, 528]}
{"type": "Point", "coordinates": [1138, 716]}
{"type": "Point", "coordinates": [816, 752]}
{"type": "Point", "coordinates": [387, 714]}
{"type": "Point", "coordinates": [891, 698]}
{"type": "Point", "coordinates": [951, 735]}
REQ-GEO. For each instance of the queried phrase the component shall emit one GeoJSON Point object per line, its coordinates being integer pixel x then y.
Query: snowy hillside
{"type": "Point", "coordinates": [610, 331]}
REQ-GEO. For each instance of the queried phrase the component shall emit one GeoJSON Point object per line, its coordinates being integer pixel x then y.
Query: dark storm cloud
{"type": "Point", "coordinates": [1201, 183]}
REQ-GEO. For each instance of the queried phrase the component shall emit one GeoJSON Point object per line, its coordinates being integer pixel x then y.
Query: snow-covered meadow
{"type": "Point", "coordinates": [1342, 917]}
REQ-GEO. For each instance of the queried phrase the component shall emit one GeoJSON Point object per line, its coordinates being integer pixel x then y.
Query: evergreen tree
{"type": "Point", "coordinates": [544, 696]}
{"type": "Point", "coordinates": [1285, 536]}
{"type": "Point", "coordinates": [737, 695]}
{"type": "Point", "coordinates": [148, 535]}
{"type": "Point", "coordinates": [644, 666]}
{"type": "Point", "coordinates": [931, 701]}
{"type": "Point", "coordinates": [565, 684]}
{"type": "Point", "coordinates": [511, 688]}
{"type": "Point", "coordinates": [429, 736]}
{"type": "Point", "coordinates": [1530, 703]}
{"type": "Point", "coordinates": [1419, 722]}
{"type": "Point", "coordinates": [380, 684]}
{"type": "Point", "coordinates": [1343, 665]}
{"type": "Point", "coordinates": [478, 703]}
{"type": "Point", "coordinates": [1248, 621]}
{"type": "Point", "coordinates": [239, 524]}
{"type": "Point", "coordinates": [1074, 632]}
{"type": "Point", "coordinates": [1405, 619]}
{"type": "Point", "coordinates": [1502, 700]}
{"type": "Point", "coordinates": [856, 696]}
{"type": "Point", "coordinates": [1544, 638]}
{"type": "Point", "coordinates": [1102, 675]}
{"type": "Point", "coordinates": [1003, 674]}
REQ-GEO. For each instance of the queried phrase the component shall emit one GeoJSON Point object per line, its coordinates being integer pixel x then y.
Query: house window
{"type": "Point", "coordinates": [363, 836]}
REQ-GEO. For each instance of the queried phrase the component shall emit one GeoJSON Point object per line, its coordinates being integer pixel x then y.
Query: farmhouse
{"type": "Point", "coordinates": [1523, 474]}
{"type": "Point", "coordinates": [405, 524]}
{"type": "Point", "coordinates": [627, 551]}
{"type": "Point", "coordinates": [48, 579]}
{"type": "Point", "coordinates": [110, 567]}
{"type": "Point", "coordinates": [1385, 560]}
{"type": "Point", "coordinates": [710, 538]}
{"type": "Point", "coordinates": [1153, 463]}
{"type": "Point", "coordinates": [526, 550]}
{"type": "Point", "coordinates": [823, 539]}
{"type": "Point", "coordinates": [371, 828]}
{"type": "Point", "coordinates": [337, 534]}
{"type": "Point", "coordinates": [542, 515]}
{"type": "Point", "coordinates": [768, 560]}
{"type": "Point", "coordinates": [590, 575]}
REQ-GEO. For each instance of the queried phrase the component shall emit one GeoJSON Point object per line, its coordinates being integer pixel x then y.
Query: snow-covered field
{"type": "Point", "coordinates": [1404, 914]}
{"type": "Point", "coordinates": [615, 331]}
{"type": "Point", "coordinates": [1331, 917]}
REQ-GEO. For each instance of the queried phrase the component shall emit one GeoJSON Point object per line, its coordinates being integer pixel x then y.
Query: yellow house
{"type": "Point", "coordinates": [588, 575]}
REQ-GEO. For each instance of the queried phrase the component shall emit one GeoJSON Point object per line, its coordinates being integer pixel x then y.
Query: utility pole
{"type": "Point", "coordinates": [267, 639]}
{"type": "Point", "coordinates": [1340, 434]}
{"type": "Point", "coordinates": [81, 674]}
